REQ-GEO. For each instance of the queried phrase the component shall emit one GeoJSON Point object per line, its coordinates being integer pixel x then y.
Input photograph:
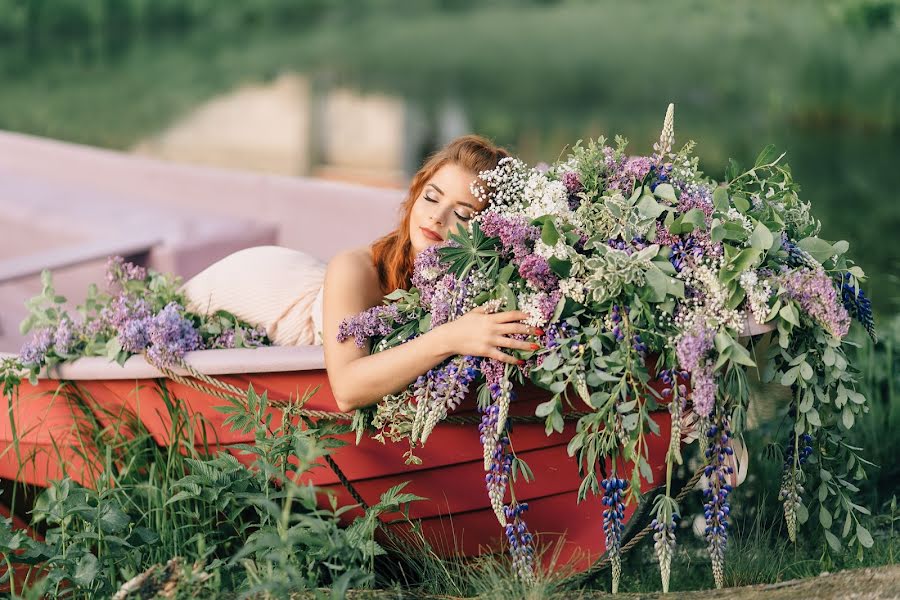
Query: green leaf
{"type": "Point", "coordinates": [545, 408]}
{"type": "Point", "coordinates": [741, 203]}
{"type": "Point", "coordinates": [744, 260]}
{"type": "Point", "coordinates": [720, 198]}
{"type": "Point", "coordinates": [761, 238]}
{"type": "Point", "coordinates": [833, 541]}
{"type": "Point", "coordinates": [825, 518]}
{"type": "Point", "coordinates": [112, 519]}
{"type": "Point", "coordinates": [649, 208]}
{"type": "Point", "coordinates": [666, 192]}
{"type": "Point", "coordinates": [864, 537]}
{"type": "Point", "coordinates": [819, 249]}
{"type": "Point", "coordinates": [560, 267]}
{"type": "Point", "coordinates": [788, 314]}
{"type": "Point", "coordinates": [847, 417]}
{"type": "Point", "coordinates": [813, 417]}
{"type": "Point", "coordinates": [85, 570]}
{"type": "Point", "coordinates": [695, 217]}
{"type": "Point", "coordinates": [549, 235]}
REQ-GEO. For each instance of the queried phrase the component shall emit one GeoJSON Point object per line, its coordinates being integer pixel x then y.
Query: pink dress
{"type": "Point", "coordinates": [276, 288]}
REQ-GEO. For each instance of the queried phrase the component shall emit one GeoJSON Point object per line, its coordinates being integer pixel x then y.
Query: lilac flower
{"type": "Point", "coordinates": [35, 350]}
{"type": "Point", "coordinates": [547, 304]}
{"type": "Point", "coordinates": [703, 390]}
{"type": "Point", "coordinates": [815, 292]}
{"type": "Point", "coordinates": [693, 346]}
{"type": "Point", "coordinates": [716, 508]}
{"type": "Point", "coordinates": [226, 339]}
{"type": "Point", "coordinates": [514, 233]}
{"type": "Point", "coordinates": [521, 542]}
{"type": "Point", "coordinates": [134, 335]}
{"type": "Point", "coordinates": [376, 321]}
{"type": "Point", "coordinates": [66, 337]}
{"type": "Point", "coordinates": [613, 515]}
{"type": "Point", "coordinates": [118, 271]}
{"type": "Point", "coordinates": [171, 336]}
{"type": "Point", "coordinates": [572, 183]}
{"type": "Point", "coordinates": [536, 270]}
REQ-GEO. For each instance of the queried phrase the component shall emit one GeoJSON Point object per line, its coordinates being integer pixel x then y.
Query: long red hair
{"type": "Point", "coordinates": [392, 254]}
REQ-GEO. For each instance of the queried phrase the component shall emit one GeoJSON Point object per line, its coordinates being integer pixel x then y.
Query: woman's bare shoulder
{"type": "Point", "coordinates": [353, 269]}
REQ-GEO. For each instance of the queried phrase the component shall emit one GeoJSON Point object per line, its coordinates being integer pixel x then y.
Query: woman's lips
{"type": "Point", "coordinates": [431, 235]}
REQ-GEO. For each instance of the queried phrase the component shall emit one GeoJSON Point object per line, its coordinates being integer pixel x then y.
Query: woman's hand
{"type": "Point", "coordinates": [479, 333]}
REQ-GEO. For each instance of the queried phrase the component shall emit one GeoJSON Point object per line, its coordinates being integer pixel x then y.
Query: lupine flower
{"type": "Point", "coordinates": [814, 291]}
{"type": "Point", "coordinates": [716, 508]}
{"type": "Point", "coordinates": [664, 547]}
{"type": "Point", "coordinates": [488, 430]}
{"type": "Point", "coordinates": [497, 477]}
{"type": "Point", "coordinates": [858, 306]}
{"type": "Point", "coordinates": [521, 542]}
{"type": "Point", "coordinates": [35, 350]}
{"type": "Point", "coordinates": [171, 336]}
{"type": "Point", "coordinates": [791, 491]}
{"type": "Point", "coordinates": [376, 321]}
{"type": "Point", "coordinates": [450, 386]}
{"type": "Point", "coordinates": [613, 515]}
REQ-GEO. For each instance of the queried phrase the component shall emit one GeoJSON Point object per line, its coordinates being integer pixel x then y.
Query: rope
{"type": "Point", "coordinates": [237, 394]}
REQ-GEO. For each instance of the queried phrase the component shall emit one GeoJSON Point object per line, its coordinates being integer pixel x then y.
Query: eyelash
{"type": "Point", "coordinates": [459, 216]}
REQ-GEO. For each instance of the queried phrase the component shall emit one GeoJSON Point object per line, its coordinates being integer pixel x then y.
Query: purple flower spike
{"type": "Point", "coordinates": [716, 508]}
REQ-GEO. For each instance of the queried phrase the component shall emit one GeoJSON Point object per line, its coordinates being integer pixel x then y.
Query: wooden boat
{"type": "Point", "coordinates": [456, 518]}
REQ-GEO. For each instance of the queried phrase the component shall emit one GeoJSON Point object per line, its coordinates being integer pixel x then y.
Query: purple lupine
{"type": "Point", "coordinates": [65, 337]}
{"type": "Point", "coordinates": [171, 336]}
{"type": "Point", "coordinates": [451, 384]}
{"type": "Point", "coordinates": [488, 433]}
{"type": "Point", "coordinates": [376, 321]}
{"type": "Point", "coordinates": [814, 290]}
{"type": "Point", "coordinates": [536, 270]}
{"type": "Point", "coordinates": [716, 508]}
{"type": "Point", "coordinates": [628, 248]}
{"type": "Point", "coordinates": [616, 318]}
{"type": "Point", "coordinates": [613, 515]}
{"type": "Point", "coordinates": [521, 542]}
{"type": "Point", "coordinates": [858, 305]}
{"type": "Point", "coordinates": [34, 352]}
{"type": "Point", "coordinates": [497, 476]}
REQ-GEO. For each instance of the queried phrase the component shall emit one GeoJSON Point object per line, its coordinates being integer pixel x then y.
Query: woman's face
{"type": "Point", "coordinates": [444, 202]}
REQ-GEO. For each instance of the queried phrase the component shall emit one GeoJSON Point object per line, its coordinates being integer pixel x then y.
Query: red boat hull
{"type": "Point", "coordinates": [456, 518]}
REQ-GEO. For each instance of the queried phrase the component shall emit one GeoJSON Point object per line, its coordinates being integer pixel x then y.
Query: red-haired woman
{"type": "Point", "coordinates": [288, 299]}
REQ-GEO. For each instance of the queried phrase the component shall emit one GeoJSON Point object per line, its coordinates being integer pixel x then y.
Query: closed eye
{"type": "Point", "coordinates": [459, 216]}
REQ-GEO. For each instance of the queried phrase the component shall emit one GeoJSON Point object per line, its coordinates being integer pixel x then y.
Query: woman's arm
{"type": "Point", "coordinates": [359, 379]}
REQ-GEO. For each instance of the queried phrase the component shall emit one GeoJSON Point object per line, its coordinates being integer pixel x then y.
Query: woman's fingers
{"type": "Point", "coordinates": [502, 357]}
{"type": "Point", "coordinates": [512, 328]}
{"type": "Point", "coordinates": [511, 315]}
{"type": "Point", "coordinates": [506, 342]}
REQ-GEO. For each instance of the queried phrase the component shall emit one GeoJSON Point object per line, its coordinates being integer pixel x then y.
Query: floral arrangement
{"type": "Point", "coordinates": [140, 312]}
{"type": "Point", "coordinates": [637, 270]}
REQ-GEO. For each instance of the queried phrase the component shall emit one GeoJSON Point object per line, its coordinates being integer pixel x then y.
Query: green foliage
{"type": "Point", "coordinates": [244, 526]}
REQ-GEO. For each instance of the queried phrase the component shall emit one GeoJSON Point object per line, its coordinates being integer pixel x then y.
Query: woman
{"type": "Point", "coordinates": [281, 290]}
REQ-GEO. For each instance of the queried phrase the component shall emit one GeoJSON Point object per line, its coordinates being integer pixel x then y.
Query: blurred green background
{"type": "Point", "coordinates": [820, 79]}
